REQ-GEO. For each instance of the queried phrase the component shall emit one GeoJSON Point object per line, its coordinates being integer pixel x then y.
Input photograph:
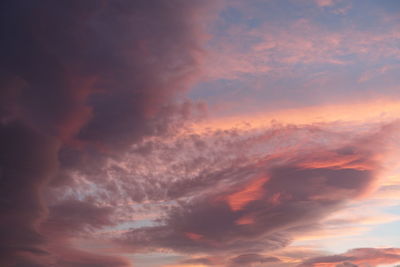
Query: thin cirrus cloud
{"type": "Point", "coordinates": [304, 60]}
{"type": "Point", "coordinates": [106, 157]}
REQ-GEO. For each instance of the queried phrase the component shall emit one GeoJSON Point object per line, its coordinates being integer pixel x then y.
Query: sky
{"type": "Point", "coordinates": [197, 133]}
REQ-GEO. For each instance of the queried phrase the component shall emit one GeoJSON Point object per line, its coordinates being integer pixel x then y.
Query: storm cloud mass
{"type": "Point", "coordinates": [81, 80]}
{"type": "Point", "coordinates": [158, 133]}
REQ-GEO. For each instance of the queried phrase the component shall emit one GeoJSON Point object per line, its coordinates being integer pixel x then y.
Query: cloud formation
{"type": "Point", "coordinates": [103, 160]}
{"type": "Point", "coordinates": [263, 204]}
{"type": "Point", "coordinates": [248, 259]}
{"type": "Point", "coordinates": [82, 81]}
{"type": "Point", "coordinates": [357, 257]}
{"type": "Point", "coordinates": [28, 160]}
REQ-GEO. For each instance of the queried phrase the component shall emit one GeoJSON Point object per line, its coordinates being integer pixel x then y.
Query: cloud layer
{"type": "Point", "coordinates": [357, 257]}
{"type": "Point", "coordinates": [103, 158]}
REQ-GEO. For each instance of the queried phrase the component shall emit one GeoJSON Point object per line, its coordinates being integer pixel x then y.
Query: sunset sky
{"type": "Point", "coordinates": [197, 133]}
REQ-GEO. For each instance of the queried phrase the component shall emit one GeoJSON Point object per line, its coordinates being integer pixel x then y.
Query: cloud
{"type": "Point", "coordinates": [89, 65]}
{"type": "Point", "coordinates": [276, 51]}
{"type": "Point", "coordinates": [81, 82]}
{"type": "Point", "coordinates": [251, 192]}
{"type": "Point", "coordinates": [261, 204]}
{"type": "Point", "coordinates": [370, 111]}
{"type": "Point", "coordinates": [357, 257]}
{"type": "Point", "coordinates": [324, 3]}
{"type": "Point", "coordinates": [198, 261]}
{"type": "Point", "coordinates": [71, 216]}
{"type": "Point", "coordinates": [68, 257]}
{"type": "Point", "coordinates": [92, 111]}
{"type": "Point", "coordinates": [27, 162]}
{"type": "Point", "coordinates": [248, 259]}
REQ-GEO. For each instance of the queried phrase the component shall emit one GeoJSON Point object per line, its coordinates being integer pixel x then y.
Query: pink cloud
{"type": "Point", "coordinates": [357, 257]}
{"type": "Point", "coordinates": [252, 191]}
{"type": "Point", "coordinates": [236, 213]}
{"type": "Point", "coordinates": [93, 138]}
{"type": "Point", "coordinates": [278, 49]}
{"type": "Point", "coordinates": [324, 3]}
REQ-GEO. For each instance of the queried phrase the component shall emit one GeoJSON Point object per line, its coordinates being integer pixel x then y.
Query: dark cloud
{"type": "Point", "coordinates": [73, 216]}
{"type": "Point", "coordinates": [27, 161]}
{"type": "Point", "coordinates": [81, 82]}
{"type": "Point", "coordinates": [71, 219]}
{"type": "Point", "coordinates": [103, 71]}
{"type": "Point", "coordinates": [346, 264]}
{"type": "Point", "coordinates": [248, 259]}
{"type": "Point", "coordinates": [68, 257]}
{"type": "Point", "coordinates": [327, 259]}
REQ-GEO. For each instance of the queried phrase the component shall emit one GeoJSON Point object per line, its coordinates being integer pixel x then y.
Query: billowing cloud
{"type": "Point", "coordinates": [28, 160]}
{"type": "Point", "coordinates": [82, 81]}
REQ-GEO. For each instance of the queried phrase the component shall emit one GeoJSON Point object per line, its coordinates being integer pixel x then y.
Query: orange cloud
{"type": "Point", "coordinates": [251, 192]}
{"type": "Point", "coordinates": [245, 220]}
{"type": "Point", "coordinates": [193, 236]}
{"type": "Point", "coordinates": [373, 111]}
{"type": "Point", "coordinates": [332, 160]}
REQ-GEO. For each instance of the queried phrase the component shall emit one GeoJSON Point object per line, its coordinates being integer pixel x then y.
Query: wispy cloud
{"type": "Point", "coordinates": [357, 257]}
